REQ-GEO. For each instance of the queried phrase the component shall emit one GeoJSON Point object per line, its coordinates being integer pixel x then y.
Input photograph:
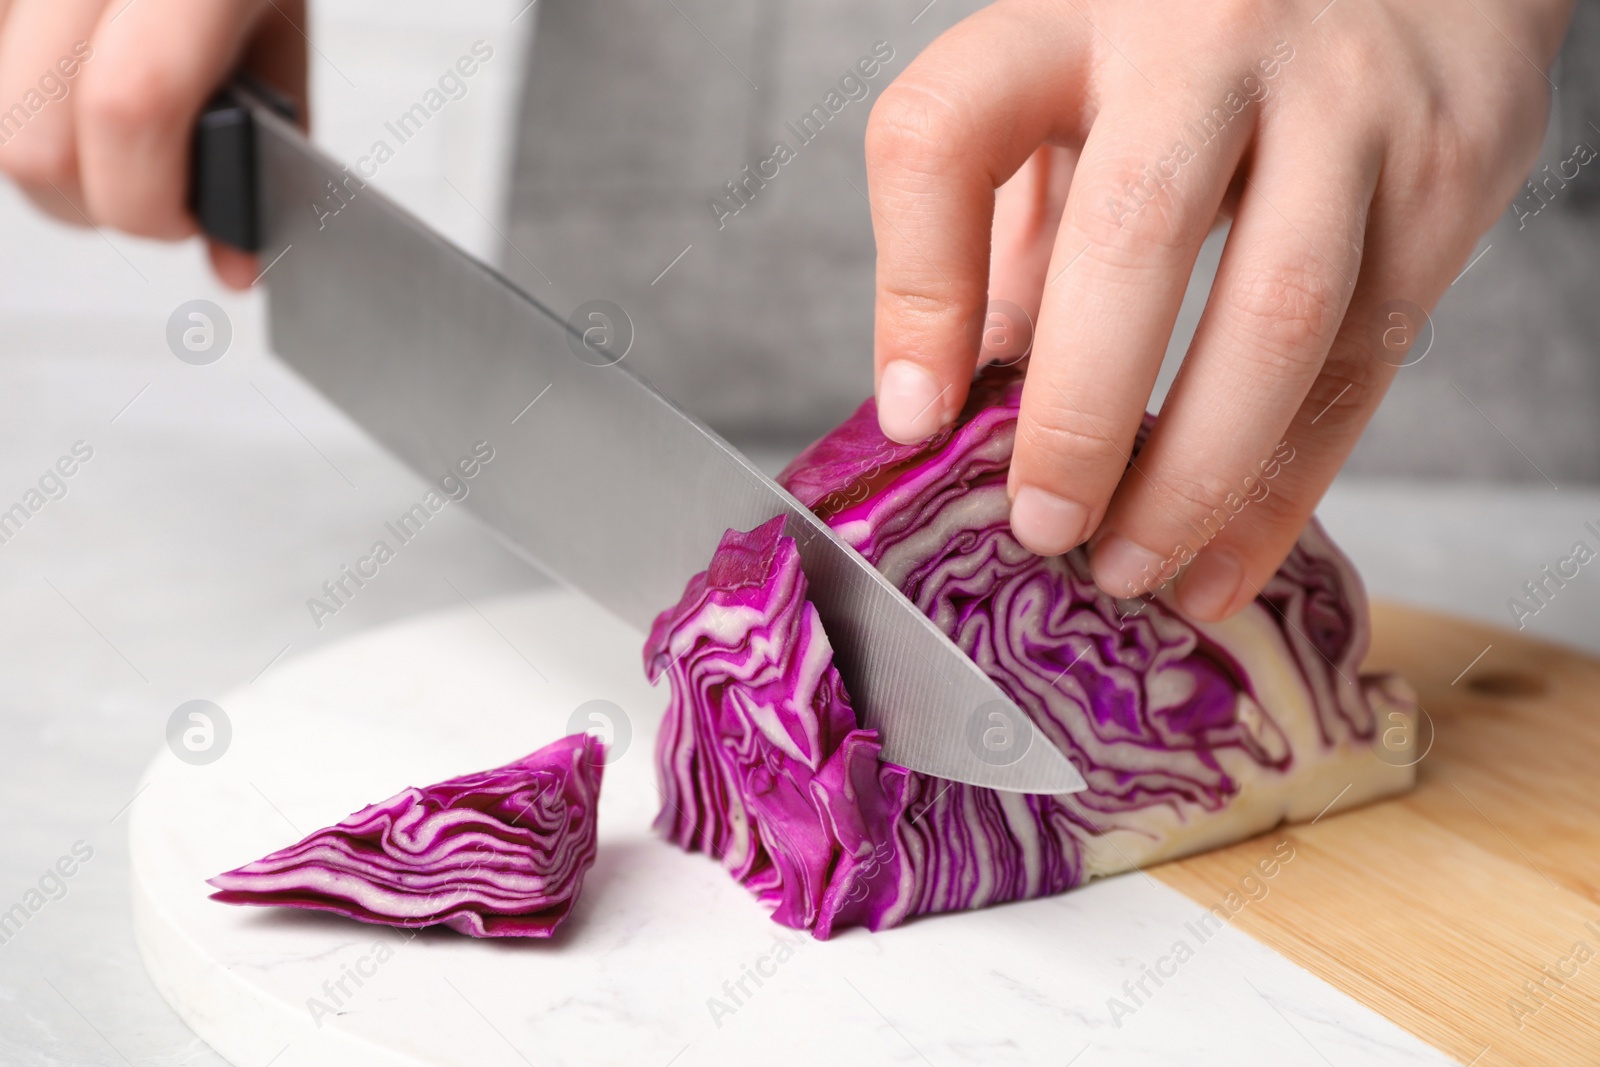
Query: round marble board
{"type": "Point", "coordinates": [665, 960]}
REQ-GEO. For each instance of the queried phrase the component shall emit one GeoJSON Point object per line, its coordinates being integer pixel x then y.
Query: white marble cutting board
{"type": "Point", "coordinates": [660, 938]}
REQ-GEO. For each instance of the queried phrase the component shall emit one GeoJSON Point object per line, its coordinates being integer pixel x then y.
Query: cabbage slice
{"type": "Point", "coordinates": [1190, 735]}
{"type": "Point", "coordinates": [498, 853]}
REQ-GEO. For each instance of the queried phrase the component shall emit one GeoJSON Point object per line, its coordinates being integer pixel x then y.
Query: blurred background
{"type": "Point", "coordinates": [218, 498]}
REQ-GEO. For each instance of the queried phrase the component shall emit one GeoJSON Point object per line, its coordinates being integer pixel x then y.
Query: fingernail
{"type": "Point", "coordinates": [1208, 587]}
{"type": "Point", "coordinates": [1122, 568]}
{"type": "Point", "coordinates": [1046, 523]}
{"type": "Point", "coordinates": [911, 405]}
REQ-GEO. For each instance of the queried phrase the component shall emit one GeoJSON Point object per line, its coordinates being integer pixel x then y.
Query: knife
{"type": "Point", "coordinates": [598, 479]}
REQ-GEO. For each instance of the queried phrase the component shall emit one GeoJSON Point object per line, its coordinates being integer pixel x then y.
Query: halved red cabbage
{"type": "Point", "coordinates": [1190, 735]}
{"type": "Point", "coordinates": [499, 853]}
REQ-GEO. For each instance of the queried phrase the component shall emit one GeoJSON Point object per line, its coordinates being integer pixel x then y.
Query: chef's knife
{"type": "Point", "coordinates": [596, 477]}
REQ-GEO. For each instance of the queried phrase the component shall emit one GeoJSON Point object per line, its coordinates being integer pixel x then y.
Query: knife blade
{"type": "Point", "coordinates": [597, 479]}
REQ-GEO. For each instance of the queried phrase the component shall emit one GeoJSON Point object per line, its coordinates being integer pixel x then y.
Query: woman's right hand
{"type": "Point", "coordinates": [98, 100]}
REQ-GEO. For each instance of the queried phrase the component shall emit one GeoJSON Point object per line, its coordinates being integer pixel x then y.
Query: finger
{"type": "Point", "coordinates": [157, 61]}
{"type": "Point", "coordinates": [949, 131]}
{"type": "Point", "coordinates": [234, 268]}
{"type": "Point", "coordinates": [1027, 214]}
{"type": "Point", "coordinates": [1281, 290]}
{"type": "Point", "coordinates": [1341, 400]}
{"type": "Point", "coordinates": [1294, 475]}
{"type": "Point", "coordinates": [277, 56]}
{"type": "Point", "coordinates": [1143, 197]}
{"type": "Point", "coordinates": [43, 52]}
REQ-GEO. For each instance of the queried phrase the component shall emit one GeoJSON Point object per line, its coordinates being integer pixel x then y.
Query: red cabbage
{"type": "Point", "coordinates": [499, 853]}
{"type": "Point", "coordinates": [1190, 735]}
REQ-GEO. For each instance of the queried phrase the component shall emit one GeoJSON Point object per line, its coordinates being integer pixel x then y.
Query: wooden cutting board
{"type": "Point", "coordinates": [1434, 909]}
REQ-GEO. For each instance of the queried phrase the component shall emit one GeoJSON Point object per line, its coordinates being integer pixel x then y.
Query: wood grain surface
{"type": "Point", "coordinates": [1467, 911]}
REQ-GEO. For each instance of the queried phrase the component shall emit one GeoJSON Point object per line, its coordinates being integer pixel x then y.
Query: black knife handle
{"type": "Point", "coordinates": [224, 180]}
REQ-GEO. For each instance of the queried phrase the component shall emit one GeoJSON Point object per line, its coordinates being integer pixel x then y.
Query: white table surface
{"type": "Point", "coordinates": [217, 501]}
